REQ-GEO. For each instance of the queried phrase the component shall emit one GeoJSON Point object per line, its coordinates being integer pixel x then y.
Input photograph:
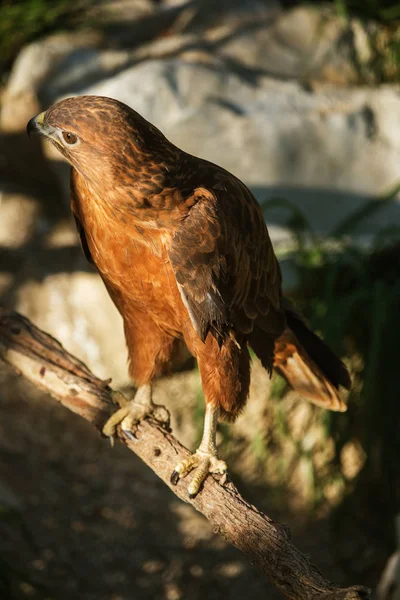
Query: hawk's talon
{"type": "Point", "coordinates": [129, 434]}
{"type": "Point", "coordinates": [204, 463]}
{"type": "Point", "coordinates": [132, 411]}
{"type": "Point", "coordinates": [174, 477]}
{"type": "Point", "coordinates": [114, 420]}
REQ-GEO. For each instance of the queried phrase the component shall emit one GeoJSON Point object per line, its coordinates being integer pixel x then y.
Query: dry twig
{"type": "Point", "coordinates": [43, 361]}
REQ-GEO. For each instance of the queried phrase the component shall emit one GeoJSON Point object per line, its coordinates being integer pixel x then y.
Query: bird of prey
{"type": "Point", "coordinates": [184, 252]}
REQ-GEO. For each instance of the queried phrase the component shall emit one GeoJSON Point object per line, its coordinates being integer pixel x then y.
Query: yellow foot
{"type": "Point", "coordinates": [131, 412]}
{"type": "Point", "coordinates": [204, 463]}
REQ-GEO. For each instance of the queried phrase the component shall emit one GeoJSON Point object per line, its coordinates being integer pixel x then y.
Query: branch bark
{"type": "Point", "coordinates": [43, 361]}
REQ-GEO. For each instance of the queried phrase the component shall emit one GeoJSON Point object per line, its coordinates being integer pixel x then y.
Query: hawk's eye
{"type": "Point", "coordinates": [69, 138]}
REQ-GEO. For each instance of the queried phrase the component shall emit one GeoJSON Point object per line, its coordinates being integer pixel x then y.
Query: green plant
{"type": "Point", "coordinates": [385, 11]}
{"type": "Point", "coordinates": [379, 61]}
{"type": "Point", "coordinates": [24, 20]}
{"type": "Point", "coordinates": [351, 295]}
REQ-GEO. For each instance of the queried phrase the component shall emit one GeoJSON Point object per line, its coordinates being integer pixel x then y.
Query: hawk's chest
{"type": "Point", "coordinates": [131, 257]}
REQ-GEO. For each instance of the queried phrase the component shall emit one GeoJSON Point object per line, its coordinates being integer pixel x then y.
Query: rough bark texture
{"type": "Point", "coordinates": [42, 360]}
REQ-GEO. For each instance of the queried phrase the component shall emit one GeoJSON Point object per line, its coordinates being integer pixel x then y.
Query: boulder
{"type": "Point", "coordinates": [75, 308]}
{"type": "Point", "coordinates": [19, 217]}
{"type": "Point", "coordinates": [35, 65]}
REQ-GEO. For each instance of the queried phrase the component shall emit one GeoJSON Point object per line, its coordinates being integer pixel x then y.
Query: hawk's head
{"type": "Point", "coordinates": [103, 138]}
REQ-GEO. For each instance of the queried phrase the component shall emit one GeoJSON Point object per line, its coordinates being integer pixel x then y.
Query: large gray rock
{"type": "Point", "coordinates": [75, 308]}
{"type": "Point", "coordinates": [19, 217]}
{"type": "Point", "coordinates": [35, 65]}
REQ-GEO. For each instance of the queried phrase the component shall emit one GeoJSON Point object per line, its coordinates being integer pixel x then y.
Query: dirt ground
{"type": "Point", "coordinates": [96, 524]}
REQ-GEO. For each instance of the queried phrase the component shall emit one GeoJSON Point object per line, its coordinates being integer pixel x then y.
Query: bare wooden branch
{"type": "Point", "coordinates": [43, 361]}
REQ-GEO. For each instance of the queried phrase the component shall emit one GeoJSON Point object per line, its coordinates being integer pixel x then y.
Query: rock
{"type": "Point", "coordinates": [304, 43]}
{"type": "Point", "coordinates": [19, 218]}
{"type": "Point", "coordinates": [34, 65]}
{"type": "Point", "coordinates": [76, 309]}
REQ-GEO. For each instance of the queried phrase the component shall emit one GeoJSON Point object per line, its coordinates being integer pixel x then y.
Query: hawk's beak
{"type": "Point", "coordinates": [37, 125]}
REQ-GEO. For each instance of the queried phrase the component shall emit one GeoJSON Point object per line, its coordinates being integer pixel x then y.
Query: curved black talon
{"type": "Point", "coordinates": [174, 477]}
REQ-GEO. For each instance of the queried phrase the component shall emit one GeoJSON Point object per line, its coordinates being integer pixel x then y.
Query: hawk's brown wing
{"type": "Point", "coordinates": [224, 262]}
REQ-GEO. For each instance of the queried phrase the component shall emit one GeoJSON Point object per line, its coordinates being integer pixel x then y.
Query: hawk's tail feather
{"type": "Point", "coordinates": [306, 362]}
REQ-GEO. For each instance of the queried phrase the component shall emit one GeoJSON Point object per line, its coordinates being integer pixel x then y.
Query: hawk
{"type": "Point", "coordinates": [184, 252]}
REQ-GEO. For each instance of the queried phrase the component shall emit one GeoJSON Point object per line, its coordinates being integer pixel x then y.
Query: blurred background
{"type": "Point", "coordinates": [301, 100]}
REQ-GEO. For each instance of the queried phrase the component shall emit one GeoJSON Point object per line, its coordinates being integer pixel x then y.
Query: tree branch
{"type": "Point", "coordinates": [42, 360]}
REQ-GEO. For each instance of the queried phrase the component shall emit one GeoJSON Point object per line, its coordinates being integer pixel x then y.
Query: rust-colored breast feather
{"type": "Point", "coordinates": [130, 257]}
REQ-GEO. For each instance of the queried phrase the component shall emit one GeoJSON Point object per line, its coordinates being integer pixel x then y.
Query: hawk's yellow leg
{"type": "Point", "coordinates": [205, 460]}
